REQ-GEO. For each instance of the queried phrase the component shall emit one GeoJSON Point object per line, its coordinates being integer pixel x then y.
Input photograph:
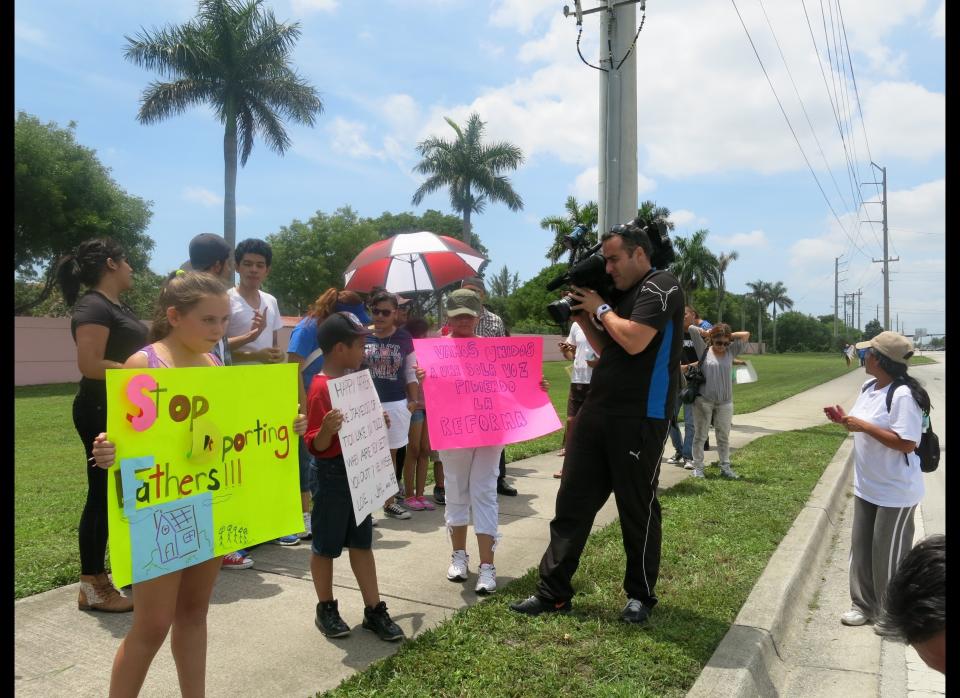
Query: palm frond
{"type": "Point", "coordinates": [164, 99]}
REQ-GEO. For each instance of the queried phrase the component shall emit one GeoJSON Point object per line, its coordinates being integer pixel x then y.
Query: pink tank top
{"type": "Point", "coordinates": [154, 360]}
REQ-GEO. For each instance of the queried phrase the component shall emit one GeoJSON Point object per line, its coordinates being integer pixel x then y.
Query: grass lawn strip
{"type": "Point", "coordinates": [717, 538]}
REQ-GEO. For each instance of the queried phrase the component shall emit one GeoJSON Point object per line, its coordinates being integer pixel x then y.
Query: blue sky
{"type": "Point", "coordinates": [714, 147]}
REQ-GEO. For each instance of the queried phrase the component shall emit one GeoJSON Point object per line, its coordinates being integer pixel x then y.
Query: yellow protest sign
{"type": "Point", "coordinates": [207, 463]}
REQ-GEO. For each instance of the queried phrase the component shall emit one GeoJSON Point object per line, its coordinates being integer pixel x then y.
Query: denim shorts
{"type": "Point", "coordinates": [418, 416]}
{"type": "Point", "coordinates": [332, 522]}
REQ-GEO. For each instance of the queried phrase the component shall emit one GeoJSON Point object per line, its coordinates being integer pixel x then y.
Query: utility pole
{"type": "Point", "coordinates": [617, 196]}
{"type": "Point", "coordinates": [858, 294]}
{"type": "Point", "coordinates": [886, 257]}
{"type": "Point", "coordinates": [836, 286]}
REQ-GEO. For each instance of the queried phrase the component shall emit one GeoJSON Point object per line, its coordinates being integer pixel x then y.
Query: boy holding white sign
{"type": "Point", "coordinates": [341, 337]}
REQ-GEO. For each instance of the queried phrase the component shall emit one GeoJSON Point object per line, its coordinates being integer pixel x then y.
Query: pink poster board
{"type": "Point", "coordinates": [484, 391]}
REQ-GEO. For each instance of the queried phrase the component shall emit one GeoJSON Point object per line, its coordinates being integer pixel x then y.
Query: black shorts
{"type": "Point", "coordinates": [332, 522]}
{"type": "Point", "coordinates": [578, 393]}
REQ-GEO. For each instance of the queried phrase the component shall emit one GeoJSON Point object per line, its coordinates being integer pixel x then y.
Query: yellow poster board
{"type": "Point", "coordinates": [207, 463]}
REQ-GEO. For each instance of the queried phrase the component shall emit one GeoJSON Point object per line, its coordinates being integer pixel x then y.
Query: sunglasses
{"type": "Point", "coordinates": [721, 344]}
{"type": "Point", "coordinates": [383, 312]}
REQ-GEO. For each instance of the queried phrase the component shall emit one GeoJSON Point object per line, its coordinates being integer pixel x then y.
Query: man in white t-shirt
{"type": "Point", "coordinates": [254, 314]}
{"type": "Point", "coordinates": [255, 318]}
{"type": "Point", "coordinates": [576, 347]}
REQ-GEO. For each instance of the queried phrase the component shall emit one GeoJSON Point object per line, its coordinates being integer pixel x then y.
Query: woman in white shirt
{"type": "Point", "coordinates": [888, 483]}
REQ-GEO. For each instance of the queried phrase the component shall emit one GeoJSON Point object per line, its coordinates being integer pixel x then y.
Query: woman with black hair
{"type": "Point", "coordinates": [887, 483]}
{"type": "Point", "coordinates": [106, 332]}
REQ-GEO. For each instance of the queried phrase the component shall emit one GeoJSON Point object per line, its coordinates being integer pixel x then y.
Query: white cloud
{"type": "Point", "coordinates": [489, 48]}
{"type": "Point", "coordinates": [207, 198]}
{"type": "Point", "coordinates": [645, 185]}
{"type": "Point", "coordinates": [704, 104]}
{"type": "Point", "coordinates": [307, 6]}
{"type": "Point", "coordinates": [938, 25]}
{"type": "Point", "coordinates": [349, 139]}
{"type": "Point", "coordinates": [521, 15]}
{"type": "Point", "coordinates": [202, 196]}
{"type": "Point", "coordinates": [682, 217]}
{"type": "Point", "coordinates": [30, 34]}
{"type": "Point", "coordinates": [755, 238]}
{"type": "Point", "coordinates": [586, 186]}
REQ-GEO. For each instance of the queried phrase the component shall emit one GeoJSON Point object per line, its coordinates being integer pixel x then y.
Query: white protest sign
{"type": "Point", "coordinates": [744, 374]}
{"type": "Point", "coordinates": [363, 440]}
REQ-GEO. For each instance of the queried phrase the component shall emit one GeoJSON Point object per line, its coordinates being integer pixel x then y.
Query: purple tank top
{"type": "Point", "coordinates": [154, 360]}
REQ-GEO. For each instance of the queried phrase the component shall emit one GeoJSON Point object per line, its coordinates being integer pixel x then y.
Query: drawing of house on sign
{"type": "Point", "coordinates": [176, 533]}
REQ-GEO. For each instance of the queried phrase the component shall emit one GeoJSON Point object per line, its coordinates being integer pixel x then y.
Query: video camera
{"type": "Point", "coordinates": [587, 267]}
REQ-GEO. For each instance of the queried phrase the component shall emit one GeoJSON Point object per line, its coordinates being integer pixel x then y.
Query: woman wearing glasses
{"type": "Point", "coordinates": [715, 402]}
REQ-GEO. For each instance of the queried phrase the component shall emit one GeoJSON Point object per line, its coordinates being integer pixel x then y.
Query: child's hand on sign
{"type": "Point", "coordinates": [421, 374]}
{"type": "Point", "coordinates": [332, 421]}
{"type": "Point", "coordinates": [300, 423]}
{"type": "Point", "coordinates": [386, 419]}
{"type": "Point", "coordinates": [544, 384]}
{"type": "Point", "coordinates": [104, 452]}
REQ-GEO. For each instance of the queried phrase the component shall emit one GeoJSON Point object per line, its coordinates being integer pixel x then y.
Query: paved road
{"type": "Point", "coordinates": [828, 659]}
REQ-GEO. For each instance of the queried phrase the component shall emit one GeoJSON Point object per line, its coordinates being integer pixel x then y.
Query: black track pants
{"type": "Point", "coordinates": [604, 454]}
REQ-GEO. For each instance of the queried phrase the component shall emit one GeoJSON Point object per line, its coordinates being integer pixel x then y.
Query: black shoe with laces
{"type": "Point", "coordinates": [329, 621]}
{"type": "Point", "coordinates": [439, 495]}
{"type": "Point", "coordinates": [505, 489]}
{"type": "Point", "coordinates": [534, 606]}
{"type": "Point", "coordinates": [635, 612]}
{"type": "Point", "coordinates": [377, 620]}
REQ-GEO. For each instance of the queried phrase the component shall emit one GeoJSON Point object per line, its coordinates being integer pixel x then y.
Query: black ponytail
{"type": "Point", "coordinates": [898, 372]}
{"type": "Point", "coordinates": [85, 266]}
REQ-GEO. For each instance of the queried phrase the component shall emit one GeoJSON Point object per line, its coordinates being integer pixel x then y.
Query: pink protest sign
{"type": "Point", "coordinates": [484, 391]}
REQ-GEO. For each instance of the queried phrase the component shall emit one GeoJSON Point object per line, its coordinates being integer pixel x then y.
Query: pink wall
{"type": "Point", "coordinates": [44, 351]}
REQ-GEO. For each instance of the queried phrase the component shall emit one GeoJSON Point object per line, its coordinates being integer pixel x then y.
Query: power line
{"type": "Point", "coordinates": [792, 131]}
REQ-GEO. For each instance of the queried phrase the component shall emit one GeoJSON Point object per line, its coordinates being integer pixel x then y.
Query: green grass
{"type": "Point", "coordinates": [780, 376]}
{"type": "Point", "coordinates": [50, 488]}
{"type": "Point", "coordinates": [717, 538]}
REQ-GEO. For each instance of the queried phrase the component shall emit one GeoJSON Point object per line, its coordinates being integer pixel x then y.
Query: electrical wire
{"type": "Point", "coordinates": [792, 131]}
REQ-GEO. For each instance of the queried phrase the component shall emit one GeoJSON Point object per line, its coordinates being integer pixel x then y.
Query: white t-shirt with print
{"type": "Point", "coordinates": [583, 354]}
{"type": "Point", "coordinates": [241, 317]}
{"type": "Point", "coordinates": [881, 476]}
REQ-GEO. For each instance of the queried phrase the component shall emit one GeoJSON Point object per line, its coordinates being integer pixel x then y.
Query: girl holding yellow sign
{"type": "Point", "coordinates": [191, 317]}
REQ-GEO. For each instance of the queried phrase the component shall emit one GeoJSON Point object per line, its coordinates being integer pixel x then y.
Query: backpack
{"type": "Point", "coordinates": [928, 450]}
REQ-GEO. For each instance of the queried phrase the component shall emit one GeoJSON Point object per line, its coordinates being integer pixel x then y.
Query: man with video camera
{"type": "Point", "coordinates": [617, 440]}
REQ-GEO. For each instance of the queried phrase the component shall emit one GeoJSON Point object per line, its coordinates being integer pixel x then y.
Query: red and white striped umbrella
{"type": "Point", "coordinates": [412, 262]}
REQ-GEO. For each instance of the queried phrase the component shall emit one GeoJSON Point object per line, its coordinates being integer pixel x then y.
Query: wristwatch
{"type": "Point", "coordinates": [603, 309]}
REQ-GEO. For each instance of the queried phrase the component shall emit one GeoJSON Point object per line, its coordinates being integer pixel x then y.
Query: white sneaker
{"type": "Point", "coordinates": [854, 617]}
{"type": "Point", "coordinates": [307, 532]}
{"type": "Point", "coordinates": [688, 465]}
{"type": "Point", "coordinates": [458, 570]}
{"type": "Point", "coordinates": [697, 472]}
{"type": "Point", "coordinates": [487, 582]}
{"type": "Point", "coordinates": [675, 460]}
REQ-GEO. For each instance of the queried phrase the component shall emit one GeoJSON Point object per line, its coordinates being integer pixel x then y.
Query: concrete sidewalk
{"type": "Point", "coordinates": [262, 639]}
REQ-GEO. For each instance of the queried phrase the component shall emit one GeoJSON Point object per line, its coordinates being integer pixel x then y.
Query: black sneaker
{"type": "Point", "coordinates": [635, 612]}
{"type": "Point", "coordinates": [534, 606]}
{"type": "Point", "coordinates": [439, 495]}
{"type": "Point", "coordinates": [505, 489]}
{"type": "Point", "coordinates": [377, 620]}
{"type": "Point", "coordinates": [329, 621]}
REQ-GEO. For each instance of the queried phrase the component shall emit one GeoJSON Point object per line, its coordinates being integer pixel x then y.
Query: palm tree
{"type": "Point", "coordinates": [723, 262]}
{"type": "Point", "coordinates": [759, 291]}
{"type": "Point", "coordinates": [502, 285]}
{"type": "Point", "coordinates": [234, 55]}
{"type": "Point", "coordinates": [777, 295]}
{"type": "Point", "coordinates": [649, 213]}
{"type": "Point", "coordinates": [562, 226]}
{"type": "Point", "coordinates": [695, 265]}
{"type": "Point", "coordinates": [471, 169]}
